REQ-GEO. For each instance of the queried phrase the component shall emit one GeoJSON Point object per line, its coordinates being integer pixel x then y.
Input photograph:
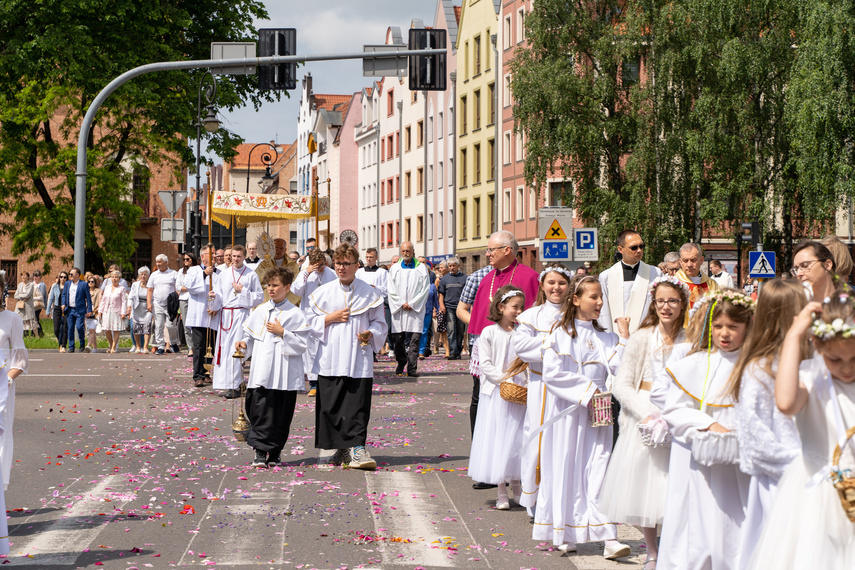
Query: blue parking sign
{"type": "Point", "coordinates": [585, 240]}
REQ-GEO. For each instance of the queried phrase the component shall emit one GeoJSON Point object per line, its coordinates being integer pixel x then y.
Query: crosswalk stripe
{"type": "Point", "coordinates": [63, 541]}
{"type": "Point", "coordinates": [243, 535]}
{"type": "Point", "coordinates": [409, 510]}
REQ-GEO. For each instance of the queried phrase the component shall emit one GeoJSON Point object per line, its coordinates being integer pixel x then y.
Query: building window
{"type": "Point", "coordinates": [439, 126]}
{"type": "Point", "coordinates": [390, 142]}
{"type": "Point", "coordinates": [420, 134]}
{"type": "Point", "coordinates": [390, 103]}
{"type": "Point", "coordinates": [466, 60]}
{"type": "Point", "coordinates": [476, 54]}
{"type": "Point", "coordinates": [407, 138]}
{"type": "Point", "coordinates": [397, 233]}
{"type": "Point", "coordinates": [420, 180]}
{"type": "Point", "coordinates": [430, 130]}
{"type": "Point", "coordinates": [491, 103]}
{"type": "Point", "coordinates": [509, 30]}
{"type": "Point", "coordinates": [451, 223]}
{"type": "Point", "coordinates": [407, 228]}
{"type": "Point", "coordinates": [398, 189]}
{"type": "Point", "coordinates": [441, 225]}
{"type": "Point", "coordinates": [463, 168]}
{"type": "Point", "coordinates": [397, 144]}
{"type": "Point", "coordinates": [521, 25]}
{"type": "Point", "coordinates": [556, 192]}
{"type": "Point", "coordinates": [382, 191]}
{"type": "Point", "coordinates": [476, 212]}
{"type": "Point", "coordinates": [491, 205]}
{"type": "Point", "coordinates": [420, 228]}
{"type": "Point", "coordinates": [476, 109]}
{"type": "Point", "coordinates": [10, 266]}
{"type": "Point", "coordinates": [491, 157]}
{"type": "Point", "coordinates": [430, 178]}
{"type": "Point", "coordinates": [631, 70]}
{"type": "Point", "coordinates": [440, 175]}
{"type": "Point", "coordinates": [414, 96]}
{"type": "Point", "coordinates": [520, 212]}
{"type": "Point", "coordinates": [463, 219]}
{"type": "Point", "coordinates": [487, 50]}
{"type": "Point", "coordinates": [463, 115]}
{"type": "Point", "coordinates": [519, 145]}
{"type": "Point", "coordinates": [532, 203]}
{"type": "Point", "coordinates": [476, 162]}
{"type": "Point", "coordinates": [506, 92]}
{"type": "Point", "coordinates": [506, 148]}
{"type": "Point", "coordinates": [506, 207]}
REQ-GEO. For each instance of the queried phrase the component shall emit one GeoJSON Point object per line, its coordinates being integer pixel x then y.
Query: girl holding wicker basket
{"type": "Point", "coordinates": [705, 504]}
{"type": "Point", "coordinates": [812, 523]}
{"type": "Point", "coordinates": [578, 360]}
{"type": "Point", "coordinates": [535, 324]}
{"type": "Point", "coordinates": [768, 439]}
{"type": "Point", "coordinates": [637, 479]}
{"type": "Point", "coordinates": [497, 439]}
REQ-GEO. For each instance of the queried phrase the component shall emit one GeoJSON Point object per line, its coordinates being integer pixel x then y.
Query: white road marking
{"type": "Point", "coordinates": [63, 541]}
{"type": "Point", "coordinates": [243, 530]}
{"type": "Point", "coordinates": [432, 523]}
{"type": "Point", "coordinates": [67, 375]}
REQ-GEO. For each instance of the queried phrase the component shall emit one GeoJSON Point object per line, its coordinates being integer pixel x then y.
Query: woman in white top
{"type": "Point", "coordinates": [13, 362]}
{"type": "Point", "coordinates": [188, 260]}
{"type": "Point", "coordinates": [111, 309]}
{"type": "Point", "coordinates": [25, 305]}
{"type": "Point", "coordinates": [637, 478]}
{"type": "Point", "coordinates": [137, 305]}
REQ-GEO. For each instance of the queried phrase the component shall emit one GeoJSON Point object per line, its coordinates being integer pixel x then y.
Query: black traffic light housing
{"type": "Point", "coordinates": [278, 41]}
{"type": "Point", "coordinates": [750, 233]}
{"type": "Point", "coordinates": [427, 72]}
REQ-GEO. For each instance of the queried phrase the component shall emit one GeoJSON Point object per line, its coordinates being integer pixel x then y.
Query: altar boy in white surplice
{"type": "Point", "coordinates": [236, 292]}
{"type": "Point", "coordinates": [625, 284]}
{"type": "Point", "coordinates": [275, 335]}
{"type": "Point", "coordinates": [347, 318]}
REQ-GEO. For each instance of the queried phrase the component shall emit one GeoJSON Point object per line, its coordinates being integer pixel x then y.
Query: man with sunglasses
{"type": "Point", "coordinates": [625, 283]}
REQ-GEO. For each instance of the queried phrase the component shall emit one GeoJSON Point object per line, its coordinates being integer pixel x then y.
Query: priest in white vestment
{"type": "Point", "coordinates": [236, 292]}
{"type": "Point", "coordinates": [275, 335]}
{"type": "Point", "coordinates": [201, 318]}
{"type": "Point", "coordinates": [347, 319]}
{"type": "Point", "coordinates": [408, 288]}
{"type": "Point", "coordinates": [305, 282]}
{"type": "Point", "coordinates": [625, 284]}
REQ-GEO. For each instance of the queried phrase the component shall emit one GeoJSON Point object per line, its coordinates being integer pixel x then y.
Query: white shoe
{"type": "Point", "coordinates": [615, 550]}
{"type": "Point", "coordinates": [360, 459]}
{"type": "Point", "coordinates": [502, 503]}
{"type": "Point", "coordinates": [567, 547]}
{"type": "Point", "coordinates": [87, 350]}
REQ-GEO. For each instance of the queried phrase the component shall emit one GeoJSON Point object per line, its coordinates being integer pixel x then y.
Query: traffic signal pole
{"type": "Point", "coordinates": [212, 64]}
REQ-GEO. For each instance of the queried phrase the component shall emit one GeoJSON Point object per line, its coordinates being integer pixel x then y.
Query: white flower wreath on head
{"type": "Point", "coordinates": [838, 327]}
{"type": "Point", "coordinates": [510, 294]}
{"type": "Point", "coordinates": [667, 279]}
{"type": "Point", "coordinates": [557, 269]}
{"type": "Point", "coordinates": [733, 297]}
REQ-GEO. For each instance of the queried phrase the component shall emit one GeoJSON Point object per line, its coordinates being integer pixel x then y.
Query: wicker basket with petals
{"type": "Point", "coordinates": [513, 393]}
{"type": "Point", "coordinates": [845, 485]}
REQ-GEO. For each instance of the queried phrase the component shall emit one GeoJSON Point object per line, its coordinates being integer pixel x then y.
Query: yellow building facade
{"type": "Point", "coordinates": [476, 119]}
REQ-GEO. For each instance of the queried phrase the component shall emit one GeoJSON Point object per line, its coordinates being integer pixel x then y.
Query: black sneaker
{"type": "Point", "coordinates": [260, 459]}
{"type": "Point", "coordinates": [413, 374]}
{"type": "Point", "coordinates": [231, 394]}
{"type": "Point", "coordinates": [274, 459]}
{"type": "Point", "coordinates": [399, 370]}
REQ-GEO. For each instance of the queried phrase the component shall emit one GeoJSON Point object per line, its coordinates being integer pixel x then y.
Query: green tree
{"type": "Point", "coordinates": [55, 56]}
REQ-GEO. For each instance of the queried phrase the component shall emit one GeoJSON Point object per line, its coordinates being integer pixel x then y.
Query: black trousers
{"type": "Point", "coordinates": [39, 330]}
{"type": "Point", "coordinates": [407, 350]}
{"type": "Point", "coordinates": [473, 405]}
{"type": "Point", "coordinates": [342, 411]}
{"type": "Point", "coordinates": [270, 412]}
{"type": "Point", "coordinates": [200, 348]}
{"type": "Point", "coordinates": [60, 327]}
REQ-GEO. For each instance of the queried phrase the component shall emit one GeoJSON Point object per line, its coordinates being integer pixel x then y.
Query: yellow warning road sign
{"type": "Point", "coordinates": [555, 231]}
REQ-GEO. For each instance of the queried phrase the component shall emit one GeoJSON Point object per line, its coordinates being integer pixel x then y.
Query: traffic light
{"type": "Point", "coordinates": [427, 72]}
{"type": "Point", "coordinates": [282, 41]}
{"type": "Point", "coordinates": [750, 233]}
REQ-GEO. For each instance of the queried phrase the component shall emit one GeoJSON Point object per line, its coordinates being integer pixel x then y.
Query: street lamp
{"type": "Point", "coordinates": [211, 124]}
{"type": "Point", "coordinates": [268, 160]}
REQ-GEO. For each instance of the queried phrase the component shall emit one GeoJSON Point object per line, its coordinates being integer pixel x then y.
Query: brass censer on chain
{"type": "Point", "coordinates": [241, 425]}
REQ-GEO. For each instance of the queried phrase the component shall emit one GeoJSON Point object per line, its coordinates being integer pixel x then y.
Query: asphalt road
{"type": "Point", "coordinates": [121, 463]}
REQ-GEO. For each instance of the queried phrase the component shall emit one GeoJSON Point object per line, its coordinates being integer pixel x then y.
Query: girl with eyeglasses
{"type": "Point", "coordinates": [54, 309]}
{"type": "Point", "coordinates": [636, 482]}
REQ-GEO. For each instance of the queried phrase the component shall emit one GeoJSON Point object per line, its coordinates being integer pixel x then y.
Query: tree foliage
{"type": "Point", "coordinates": [55, 57]}
{"type": "Point", "coordinates": [742, 111]}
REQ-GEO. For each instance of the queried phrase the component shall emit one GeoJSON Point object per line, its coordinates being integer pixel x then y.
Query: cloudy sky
{"type": "Point", "coordinates": [324, 26]}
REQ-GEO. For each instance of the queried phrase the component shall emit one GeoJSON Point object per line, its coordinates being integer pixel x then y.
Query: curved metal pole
{"type": "Point", "coordinates": [266, 160]}
{"type": "Point", "coordinates": [213, 64]}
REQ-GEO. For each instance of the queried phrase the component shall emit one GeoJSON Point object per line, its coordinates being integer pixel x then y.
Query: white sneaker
{"type": "Point", "coordinates": [360, 459]}
{"type": "Point", "coordinates": [567, 547]}
{"type": "Point", "coordinates": [615, 550]}
{"type": "Point", "coordinates": [87, 350]}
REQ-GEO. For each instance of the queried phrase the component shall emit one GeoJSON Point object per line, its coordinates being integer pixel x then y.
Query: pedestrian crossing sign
{"type": "Point", "coordinates": [761, 264]}
{"type": "Point", "coordinates": [555, 231]}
